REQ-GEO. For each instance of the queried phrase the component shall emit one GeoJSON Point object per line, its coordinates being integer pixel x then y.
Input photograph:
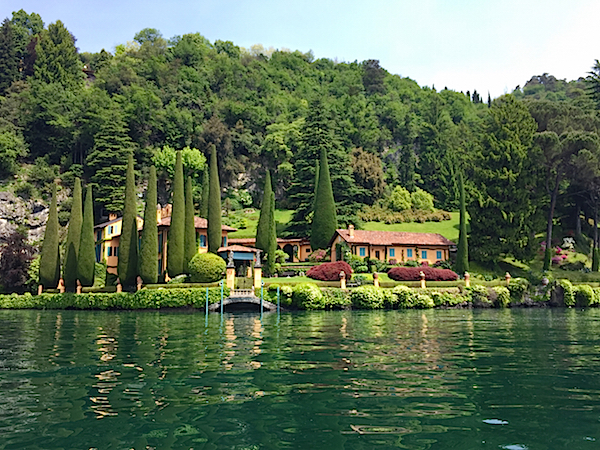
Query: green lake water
{"type": "Point", "coordinates": [459, 379]}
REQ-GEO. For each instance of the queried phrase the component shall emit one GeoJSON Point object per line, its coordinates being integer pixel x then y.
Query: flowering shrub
{"type": "Point", "coordinates": [413, 274]}
{"type": "Point", "coordinates": [317, 255]}
{"type": "Point", "coordinates": [330, 271]}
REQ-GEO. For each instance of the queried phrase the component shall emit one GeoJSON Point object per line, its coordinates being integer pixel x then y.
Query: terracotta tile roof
{"type": "Point", "coordinates": [236, 248]}
{"type": "Point", "coordinates": [199, 222]}
{"type": "Point", "coordinates": [390, 238]}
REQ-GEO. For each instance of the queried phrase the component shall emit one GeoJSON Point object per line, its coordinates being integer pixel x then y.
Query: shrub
{"type": "Point", "coordinates": [584, 295]}
{"type": "Point", "coordinates": [445, 298]}
{"type": "Point", "coordinates": [517, 289]}
{"type": "Point", "coordinates": [317, 256]}
{"type": "Point", "coordinates": [502, 296]}
{"type": "Point", "coordinates": [367, 297]}
{"type": "Point", "coordinates": [399, 199]}
{"type": "Point", "coordinates": [422, 200]}
{"type": "Point", "coordinates": [413, 274]}
{"type": "Point", "coordinates": [285, 294]}
{"type": "Point", "coordinates": [178, 279]}
{"type": "Point", "coordinates": [206, 268]}
{"type": "Point", "coordinates": [410, 298]}
{"type": "Point", "coordinates": [330, 271]}
{"type": "Point", "coordinates": [478, 295]}
{"type": "Point", "coordinates": [336, 299]}
{"type": "Point", "coordinates": [308, 296]}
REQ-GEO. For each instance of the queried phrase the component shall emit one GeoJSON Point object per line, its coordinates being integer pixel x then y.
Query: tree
{"type": "Point", "coordinates": [15, 257]}
{"type": "Point", "coordinates": [73, 239]}
{"type": "Point", "coordinates": [86, 258]}
{"type": "Point", "coordinates": [272, 246]}
{"type": "Point", "coordinates": [57, 60]}
{"type": "Point", "coordinates": [324, 221]}
{"type": "Point", "coordinates": [127, 268]}
{"type": "Point", "coordinates": [462, 254]}
{"type": "Point", "coordinates": [149, 239]}
{"type": "Point", "coordinates": [205, 194]}
{"type": "Point", "coordinates": [107, 162]}
{"type": "Point", "coordinates": [190, 228]}
{"type": "Point", "coordinates": [9, 60]}
{"type": "Point", "coordinates": [176, 238]}
{"type": "Point", "coordinates": [50, 255]}
{"type": "Point", "coordinates": [264, 221]}
{"type": "Point", "coordinates": [214, 204]}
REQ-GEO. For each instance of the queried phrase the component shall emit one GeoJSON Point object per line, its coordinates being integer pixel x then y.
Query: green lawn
{"type": "Point", "coordinates": [282, 217]}
{"type": "Point", "coordinates": [447, 228]}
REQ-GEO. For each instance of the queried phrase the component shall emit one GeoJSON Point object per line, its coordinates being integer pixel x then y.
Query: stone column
{"type": "Point", "coordinates": [507, 278]}
{"type": "Point", "coordinates": [342, 280]}
{"type": "Point", "coordinates": [61, 286]}
{"type": "Point", "coordinates": [376, 279]}
{"type": "Point", "coordinates": [40, 289]}
{"type": "Point", "coordinates": [257, 271]}
{"type": "Point", "coordinates": [423, 284]}
{"type": "Point", "coordinates": [467, 279]}
{"type": "Point", "coordinates": [79, 287]}
{"type": "Point", "coordinates": [230, 271]}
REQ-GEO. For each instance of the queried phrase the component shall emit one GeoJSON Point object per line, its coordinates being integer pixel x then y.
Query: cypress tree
{"type": "Point", "coordinates": [176, 239]}
{"type": "Point", "coordinates": [190, 229]}
{"type": "Point", "coordinates": [50, 255]}
{"type": "Point", "coordinates": [86, 259]}
{"type": "Point", "coordinates": [9, 59]}
{"type": "Point", "coordinates": [462, 254]}
{"type": "Point", "coordinates": [262, 228]}
{"type": "Point", "coordinates": [149, 241]}
{"type": "Point", "coordinates": [214, 204]}
{"type": "Point", "coordinates": [272, 244]}
{"type": "Point", "coordinates": [73, 239]}
{"type": "Point", "coordinates": [128, 243]}
{"type": "Point", "coordinates": [324, 221]}
{"type": "Point", "coordinates": [205, 191]}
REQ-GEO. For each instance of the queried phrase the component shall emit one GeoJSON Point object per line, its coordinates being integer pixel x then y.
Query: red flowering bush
{"type": "Point", "coordinates": [413, 274]}
{"type": "Point", "coordinates": [330, 271]}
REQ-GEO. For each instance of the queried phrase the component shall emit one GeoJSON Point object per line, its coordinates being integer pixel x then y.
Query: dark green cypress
{"type": "Point", "coordinates": [190, 229]}
{"type": "Point", "coordinates": [324, 221]}
{"type": "Point", "coordinates": [149, 240]}
{"type": "Point", "coordinates": [86, 259]}
{"type": "Point", "coordinates": [205, 194]}
{"type": "Point", "coordinates": [9, 59]}
{"type": "Point", "coordinates": [262, 228]}
{"type": "Point", "coordinates": [50, 255]}
{"type": "Point", "coordinates": [176, 239]}
{"type": "Point", "coordinates": [128, 242]}
{"type": "Point", "coordinates": [73, 239]}
{"type": "Point", "coordinates": [595, 259]}
{"type": "Point", "coordinates": [272, 246]}
{"type": "Point", "coordinates": [462, 254]}
{"type": "Point", "coordinates": [214, 204]}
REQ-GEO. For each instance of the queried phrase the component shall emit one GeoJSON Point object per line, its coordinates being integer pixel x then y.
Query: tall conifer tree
{"type": "Point", "coordinates": [324, 221]}
{"type": "Point", "coordinates": [262, 229]}
{"type": "Point", "coordinates": [50, 255]}
{"type": "Point", "coordinates": [86, 259]}
{"type": "Point", "coordinates": [176, 242]}
{"type": "Point", "coordinates": [462, 255]}
{"type": "Point", "coordinates": [9, 59]}
{"type": "Point", "coordinates": [128, 243]}
{"type": "Point", "coordinates": [214, 204]}
{"type": "Point", "coordinates": [149, 240]}
{"type": "Point", "coordinates": [190, 229]}
{"type": "Point", "coordinates": [73, 239]}
{"type": "Point", "coordinates": [272, 243]}
{"type": "Point", "coordinates": [205, 194]}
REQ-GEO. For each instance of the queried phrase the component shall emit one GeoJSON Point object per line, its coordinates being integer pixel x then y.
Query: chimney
{"type": "Point", "coordinates": [166, 211]}
{"type": "Point", "coordinates": [158, 213]}
{"type": "Point", "coordinates": [351, 230]}
{"type": "Point", "coordinates": [112, 216]}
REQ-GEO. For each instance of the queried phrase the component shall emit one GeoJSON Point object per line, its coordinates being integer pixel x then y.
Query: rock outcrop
{"type": "Point", "coordinates": [15, 212]}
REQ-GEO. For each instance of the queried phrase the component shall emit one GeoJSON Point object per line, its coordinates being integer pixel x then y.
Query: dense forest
{"type": "Point", "coordinates": [530, 158]}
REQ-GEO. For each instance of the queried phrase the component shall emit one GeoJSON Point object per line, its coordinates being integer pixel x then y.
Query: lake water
{"type": "Point", "coordinates": [460, 379]}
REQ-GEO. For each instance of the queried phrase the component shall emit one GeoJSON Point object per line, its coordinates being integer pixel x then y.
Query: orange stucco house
{"type": "Point", "coordinates": [297, 249]}
{"type": "Point", "coordinates": [392, 245]}
{"type": "Point", "coordinates": [108, 234]}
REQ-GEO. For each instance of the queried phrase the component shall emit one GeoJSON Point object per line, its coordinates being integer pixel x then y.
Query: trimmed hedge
{"type": "Point", "coordinates": [308, 296]}
{"type": "Point", "coordinates": [584, 295]}
{"type": "Point", "coordinates": [411, 298]}
{"type": "Point", "coordinates": [330, 271]}
{"type": "Point", "coordinates": [206, 268]}
{"type": "Point", "coordinates": [368, 297]}
{"type": "Point", "coordinates": [414, 274]}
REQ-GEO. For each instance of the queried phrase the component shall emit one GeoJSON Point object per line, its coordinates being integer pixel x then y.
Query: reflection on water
{"type": "Point", "coordinates": [338, 380]}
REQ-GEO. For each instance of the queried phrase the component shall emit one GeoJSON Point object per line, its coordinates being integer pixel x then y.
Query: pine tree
{"type": "Point", "coordinates": [272, 246]}
{"type": "Point", "coordinates": [149, 240]}
{"type": "Point", "coordinates": [107, 162]}
{"type": "Point", "coordinates": [262, 229]}
{"type": "Point", "coordinates": [73, 239]}
{"type": "Point", "coordinates": [128, 242]}
{"type": "Point", "coordinates": [324, 221]}
{"type": "Point", "coordinates": [50, 255]}
{"type": "Point", "coordinates": [462, 255]}
{"type": "Point", "coordinates": [190, 229]}
{"type": "Point", "coordinates": [86, 259]}
{"type": "Point", "coordinates": [205, 194]}
{"type": "Point", "coordinates": [214, 204]}
{"type": "Point", "coordinates": [176, 239]}
{"type": "Point", "coordinates": [9, 59]}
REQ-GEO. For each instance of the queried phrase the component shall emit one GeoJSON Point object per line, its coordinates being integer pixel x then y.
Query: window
{"type": "Point", "coordinates": [160, 243]}
{"type": "Point", "coordinates": [99, 235]}
{"type": "Point", "coordinates": [116, 251]}
{"type": "Point", "coordinates": [377, 254]}
{"type": "Point", "coordinates": [224, 241]}
{"type": "Point", "coordinates": [110, 229]}
{"type": "Point", "coordinates": [438, 254]}
{"type": "Point", "coordinates": [392, 252]}
{"type": "Point", "coordinates": [202, 240]}
{"type": "Point", "coordinates": [409, 253]}
{"type": "Point", "coordinates": [109, 248]}
{"type": "Point", "coordinates": [361, 251]}
{"type": "Point", "coordinates": [424, 254]}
